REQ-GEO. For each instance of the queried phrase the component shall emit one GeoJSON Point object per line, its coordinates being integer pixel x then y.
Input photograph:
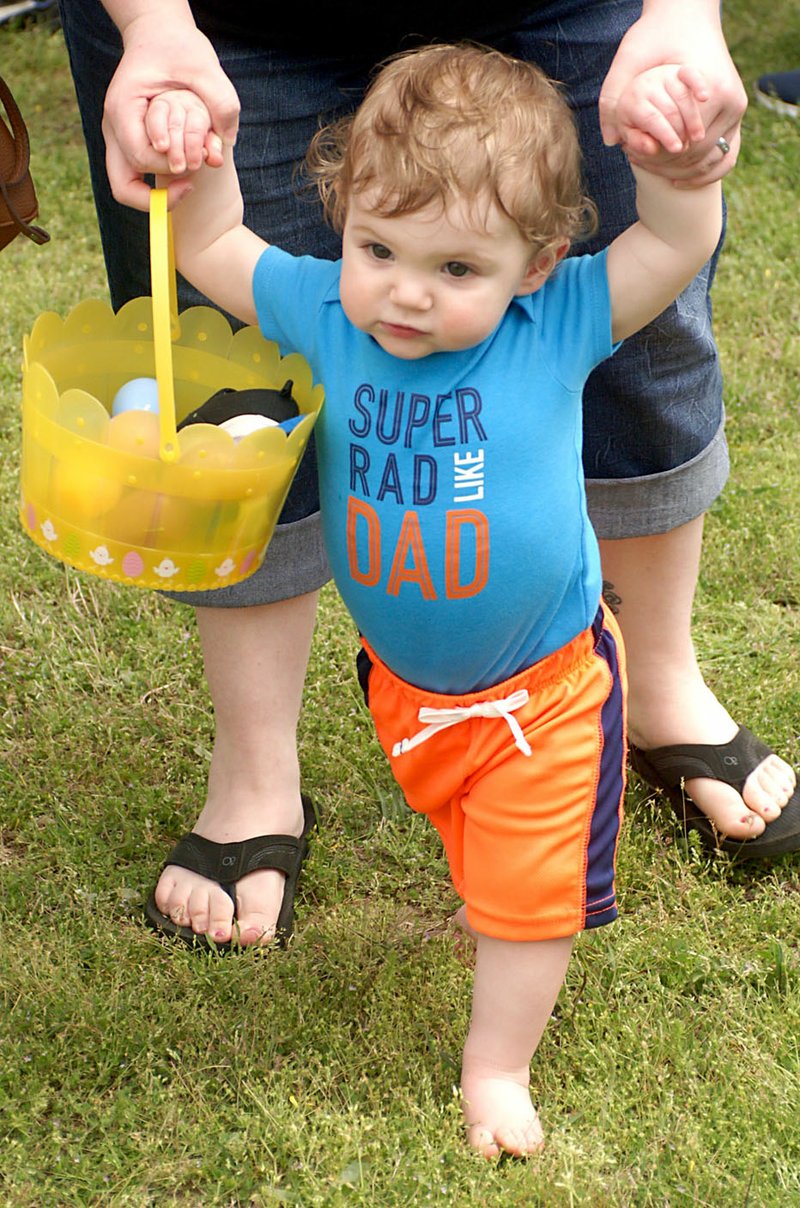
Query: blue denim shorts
{"type": "Point", "coordinates": [655, 454]}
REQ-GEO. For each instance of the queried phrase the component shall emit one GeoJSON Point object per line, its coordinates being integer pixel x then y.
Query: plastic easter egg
{"type": "Point", "coordinates": [131, 520]}
{"type": "Point", "coordinates": [150, 521]}
{"type": "Point", "coordinates": [174, 522]}
{"type": "Point", "coordinates": [240, 426]}
{"type": "Point", "coordinates": [205, 447]}
{"type": "Point", "coordinates": [139, 394]}
{"type": "Point", "coordinates": [135, 432]}
{"type": "Point", "coordinates": [81, 492]}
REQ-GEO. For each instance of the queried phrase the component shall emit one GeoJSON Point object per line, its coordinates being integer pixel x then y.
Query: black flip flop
{"type": "Point", "coordinates": [667, 768]}
{"type": "Point", "coordinates": [227, 863]}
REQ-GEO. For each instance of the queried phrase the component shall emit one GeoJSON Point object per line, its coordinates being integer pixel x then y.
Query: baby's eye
{"type": "Point", "coordinates": [454, 268]}
{"type": "Point", "coordinates": [380, 251]}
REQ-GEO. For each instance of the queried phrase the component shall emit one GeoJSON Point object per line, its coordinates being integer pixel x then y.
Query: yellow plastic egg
{"type": "Point", "coordinates": [79, 492]}
{"type": "Point", "coordinates": [135, 432]}
{"type": "Point", "coordinates": [132, 517]}
{"type": "Point", "coordinates": [152, 521]}
{"type": "Point", "coordinates": [174, 522]}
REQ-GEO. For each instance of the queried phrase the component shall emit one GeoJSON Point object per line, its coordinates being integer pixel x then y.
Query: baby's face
{"type": "Point", "coordinates": [433, 281]}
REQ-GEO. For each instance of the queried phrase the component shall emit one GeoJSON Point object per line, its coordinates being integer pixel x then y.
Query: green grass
{"type": "Point", "coordinates": [132, 1073]}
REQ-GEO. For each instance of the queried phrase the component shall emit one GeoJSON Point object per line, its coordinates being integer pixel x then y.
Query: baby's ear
{"type": "Point", "coordinates": [541, 266]}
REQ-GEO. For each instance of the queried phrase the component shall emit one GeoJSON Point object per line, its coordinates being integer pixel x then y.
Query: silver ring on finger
{"type": "Point", "coordinates": [723, 145]}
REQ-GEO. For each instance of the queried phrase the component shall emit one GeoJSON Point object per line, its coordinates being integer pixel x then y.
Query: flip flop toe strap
{"type": "Point", "coordinates": [732, 762]}
{"type": "Point", "coordinates": [227, 863]}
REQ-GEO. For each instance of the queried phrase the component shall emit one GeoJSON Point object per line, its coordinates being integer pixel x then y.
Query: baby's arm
{"type": "Point", "coordinates": [213, 248]}
{"type": "Point", "coordinates": [657, 257]}
{"type": "Point", "coordinates": [661, 107]}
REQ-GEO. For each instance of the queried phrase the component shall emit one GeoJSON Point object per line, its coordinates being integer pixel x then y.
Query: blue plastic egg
{"type": "Point", "coordinates": [139, 394]}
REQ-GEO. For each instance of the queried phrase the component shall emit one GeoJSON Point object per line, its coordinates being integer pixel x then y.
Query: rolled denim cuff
{"type": "Point", "coordinates": [295, 564]}
{"type": "Point", "coordinates": [658, 503]}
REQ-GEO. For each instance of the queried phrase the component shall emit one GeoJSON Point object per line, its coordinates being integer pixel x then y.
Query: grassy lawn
{"type": "Point", "coordinates": [135, 1073]}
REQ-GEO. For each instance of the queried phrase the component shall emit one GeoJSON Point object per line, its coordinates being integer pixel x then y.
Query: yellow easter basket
{"type": "Point", "coordinates": [128, 497]}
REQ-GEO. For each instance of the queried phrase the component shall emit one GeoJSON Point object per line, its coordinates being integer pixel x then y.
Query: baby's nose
{"type": "Point", "coordinates": [411, 291]}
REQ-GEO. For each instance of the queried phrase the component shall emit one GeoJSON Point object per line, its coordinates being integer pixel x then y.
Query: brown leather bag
{"type": "Point", "coordinates": [18, 205]}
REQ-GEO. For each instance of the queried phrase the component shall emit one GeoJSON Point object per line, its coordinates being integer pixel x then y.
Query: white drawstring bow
{"type": "Point", "coordinates": [441, 719]}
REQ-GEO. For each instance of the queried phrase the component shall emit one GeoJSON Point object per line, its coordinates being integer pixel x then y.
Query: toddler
{"type": "Point", "coordinates": [453, 339]}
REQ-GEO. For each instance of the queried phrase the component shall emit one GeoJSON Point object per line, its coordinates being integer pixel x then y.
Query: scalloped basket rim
{"type": "Point", "coordinates": [94, 319]}
{"type": "Point", "coordinates": [206, 335]}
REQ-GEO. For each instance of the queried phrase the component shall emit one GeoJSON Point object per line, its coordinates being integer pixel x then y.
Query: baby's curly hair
{"type": "Point", "coordinates": [459, 121]}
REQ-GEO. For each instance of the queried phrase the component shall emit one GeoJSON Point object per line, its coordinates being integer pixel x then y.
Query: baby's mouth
{"type": "Point", "coordinates": [401, 329]}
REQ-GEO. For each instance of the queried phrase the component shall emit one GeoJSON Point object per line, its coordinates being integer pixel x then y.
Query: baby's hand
{"type": "Point", "coordinates": [660, 110]}
{"type": "Point", "coordinates": [178, 125]}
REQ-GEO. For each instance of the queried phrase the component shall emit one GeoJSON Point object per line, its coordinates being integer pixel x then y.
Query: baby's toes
{"type": "Point", "coordinates": [482, 1139]}
{"type": "Point", "coordinates": [520, 1141]}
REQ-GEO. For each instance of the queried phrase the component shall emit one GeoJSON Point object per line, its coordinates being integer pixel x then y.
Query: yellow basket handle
{"type": "Point", "coordinates": [165, 318]}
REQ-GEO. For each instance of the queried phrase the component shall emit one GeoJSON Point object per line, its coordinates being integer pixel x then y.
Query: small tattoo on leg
{"type": "Point", "coordinates": [611, 598]}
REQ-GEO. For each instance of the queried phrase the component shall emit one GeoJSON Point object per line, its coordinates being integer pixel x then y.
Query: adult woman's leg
{"type": "Point", "coordinates": [652, 581]}
{"type": "Point", "coordinates": [255, 636]}
{"type": "Point", "coordinates": [255, 663]}
{"type": "Point", "coordinates": [655, 454]}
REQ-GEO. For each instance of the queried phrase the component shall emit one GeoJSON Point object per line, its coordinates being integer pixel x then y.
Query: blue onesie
{"type": "Point", "coordinates": [451, 487]}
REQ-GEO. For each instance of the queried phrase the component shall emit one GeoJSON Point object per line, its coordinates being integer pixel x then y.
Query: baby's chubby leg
{"type": "Point", "coordinates": [515, 989]}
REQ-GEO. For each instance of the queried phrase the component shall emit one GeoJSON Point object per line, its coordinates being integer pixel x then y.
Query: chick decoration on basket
{"type": "Point", "coordinates": [157, 449]}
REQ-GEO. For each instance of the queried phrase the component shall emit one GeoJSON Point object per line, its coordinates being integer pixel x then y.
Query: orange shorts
{"type": "Point", "coordinates": [524, 782]}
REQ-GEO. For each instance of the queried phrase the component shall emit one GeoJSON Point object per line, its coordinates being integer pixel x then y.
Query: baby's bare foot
{"type": "Point", "coordinates": [498, 1112]}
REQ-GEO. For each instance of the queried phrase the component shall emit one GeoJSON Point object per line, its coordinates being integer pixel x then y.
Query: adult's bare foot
{"type": "Point", "coordinates": [191, 900]}
{"type": "Point", "coordinates": [694, 715]}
